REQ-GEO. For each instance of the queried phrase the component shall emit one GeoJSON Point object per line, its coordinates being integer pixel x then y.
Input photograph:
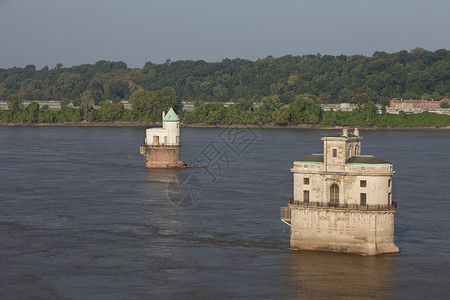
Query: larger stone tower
{"type": "Point", "coordinates": [162, 145]}
{"type": "Point", "coordinates": [342, 200]}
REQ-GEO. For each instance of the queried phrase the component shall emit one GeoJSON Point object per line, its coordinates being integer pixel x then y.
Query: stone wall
{"type": "Point", "coordinates": [343, 230]}
{"type": "Point", "coordinates": [163, 157]}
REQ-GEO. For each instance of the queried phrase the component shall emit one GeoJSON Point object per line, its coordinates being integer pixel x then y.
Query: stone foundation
{"type": "Point", "coordinates": [163, 157]}
{"type": "Point", "coordinates": [343, 230]}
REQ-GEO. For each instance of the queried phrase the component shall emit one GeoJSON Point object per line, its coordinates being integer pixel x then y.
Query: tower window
{"type": "Point", "coordinates": [306, 196]}
{"type": "Point", "coordinates": [306, 181]}
{"type": "Point", "coordinates": [334, 152]}
{"type": "Point", "coordinates": [389, 183]}
{"type": "Point", "coordinates": [362, 183]}
{"type": "Point", "coordinates": [334, 193]}
{"type": "Point", "coordinates": [389, 198]}
{"type": "Point", "coordinates": [363, 198]}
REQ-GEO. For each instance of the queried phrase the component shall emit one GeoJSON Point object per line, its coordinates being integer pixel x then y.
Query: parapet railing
{"type": "Point", "coordinates": [343, 205]}
{"type": "Point", "coordinates": [163, 145]}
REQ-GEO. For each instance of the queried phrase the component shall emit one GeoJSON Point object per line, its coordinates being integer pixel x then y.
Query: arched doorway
{"type": "Point", "coordinates": [334, 194]}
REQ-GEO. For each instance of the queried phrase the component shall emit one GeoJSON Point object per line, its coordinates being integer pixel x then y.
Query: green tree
{"type": "Point", "coordinates": [87, 106]}
{"type": "Point", "coordinates": [266, 112]}
{"type": "Point", "coordinates": [64, 102]}
{"type": "Point", "coordinates": [143, 103]}
{"type": "Point", "coordinates": [305, 110]}
{"type": "Point", "coordinates": [360, 99]}
{"type": "Point", "coordinates": [149, 104]}
{"type": "Point", "coordinates": [15, 103]}
{"type": "Point", "coordinates": [245, 105]}
{"type": "Point", "coordinates": [167, 98]}
{"type": "Point", "coordinates": [345, 95]}
{"type": "Point", "coordinates": [76, 102]}
{"type": "Point", "coordinates": [282, 116]}
{"type": "Point", "coordinates": [369, 113]}
{"type": "Point", "coordinates": [111, 111]}
{"type": "Point", "coordinates": [32, 112]}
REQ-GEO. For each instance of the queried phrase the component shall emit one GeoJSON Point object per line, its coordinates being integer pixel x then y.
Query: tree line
{"type": "Point", "coordinates": [148, 105]}
{"type": "Point", "coordinates": [332, 79]}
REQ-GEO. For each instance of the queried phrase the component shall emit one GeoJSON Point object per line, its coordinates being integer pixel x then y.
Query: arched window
{"type": "Point", "coordinates": [334, 193]}
{"type": "Point", "coordinates": [350, 151]}
{"type": "Point", "coordinates": [356, 150]}
{"type": "Point", "coordinates": [155, 140]}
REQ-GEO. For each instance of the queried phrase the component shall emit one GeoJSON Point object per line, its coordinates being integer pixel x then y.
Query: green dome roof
{"type": "Point", "coordinates": [171, 116]}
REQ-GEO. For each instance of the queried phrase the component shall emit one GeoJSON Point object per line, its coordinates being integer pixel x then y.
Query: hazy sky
{"type": "Point", "coordinates": [74, 32]}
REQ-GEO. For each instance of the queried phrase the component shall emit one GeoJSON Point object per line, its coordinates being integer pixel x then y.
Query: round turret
{"type": "Point", "coordinates": [171, 123]}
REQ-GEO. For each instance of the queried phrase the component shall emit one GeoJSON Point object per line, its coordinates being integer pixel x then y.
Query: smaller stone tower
{"type": "Point", "coordinates": [162, 145]}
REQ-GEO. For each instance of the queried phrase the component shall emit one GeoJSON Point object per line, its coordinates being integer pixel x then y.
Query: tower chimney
{"type": "Point", "coordinates": [345, 132]}
{"type": "Point", "coordinates": [163, 114]}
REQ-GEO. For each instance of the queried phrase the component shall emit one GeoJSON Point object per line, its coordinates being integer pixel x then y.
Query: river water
{"type": "Point", "coordinates": [81, 218]}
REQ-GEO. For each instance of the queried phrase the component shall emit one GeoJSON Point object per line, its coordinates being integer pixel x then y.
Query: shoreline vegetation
{"type": "Point", "coordinates": [147, 107]}
{"type": "Point", "coordinates": [205, 125]}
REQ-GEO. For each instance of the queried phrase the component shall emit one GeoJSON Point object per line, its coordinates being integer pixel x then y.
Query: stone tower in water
{"type": "Point", "coordinates": [342, 200]}
{"type": "Point", "coordinates": [162, 145]}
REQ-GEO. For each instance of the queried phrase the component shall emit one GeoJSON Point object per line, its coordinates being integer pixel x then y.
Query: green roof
{"type": "Point", "coordinates": [367, 159]}
{"type": "Point", "coordinates": [171, 116]}
{"type": "Point", "coordinates": [314, 158]}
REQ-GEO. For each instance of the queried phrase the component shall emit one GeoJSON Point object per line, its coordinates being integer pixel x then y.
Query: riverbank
{"type": "Point", "coordinates": [205, 125]}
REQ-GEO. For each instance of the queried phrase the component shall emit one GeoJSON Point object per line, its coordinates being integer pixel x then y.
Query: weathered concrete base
{"type": "Point", "coordinates": [343, 230]}
{"type": "Point", "coordinates": [163, 157]}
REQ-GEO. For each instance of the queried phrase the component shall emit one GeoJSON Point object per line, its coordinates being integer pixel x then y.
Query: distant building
{"type": "Point", "coordinates": [340, 106]}
{"type": "Point", "coordinates": [342, 200]}
{"type": "Point", "coordinates": [162, 145]}
{"type": "Point", "coordinates": [416, 105]}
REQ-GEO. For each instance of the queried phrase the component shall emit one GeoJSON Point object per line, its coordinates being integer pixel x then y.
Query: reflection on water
{"type": "Point", "coordinates": [181, 187]}
{"type": "Point", "coordinates": [159, 175]}
{"type": "Point", "coordinates": [345, 276]}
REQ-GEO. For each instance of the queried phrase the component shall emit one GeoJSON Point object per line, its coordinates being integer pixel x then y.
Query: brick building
{"type": "Point", "coordinates": [416, 104]}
